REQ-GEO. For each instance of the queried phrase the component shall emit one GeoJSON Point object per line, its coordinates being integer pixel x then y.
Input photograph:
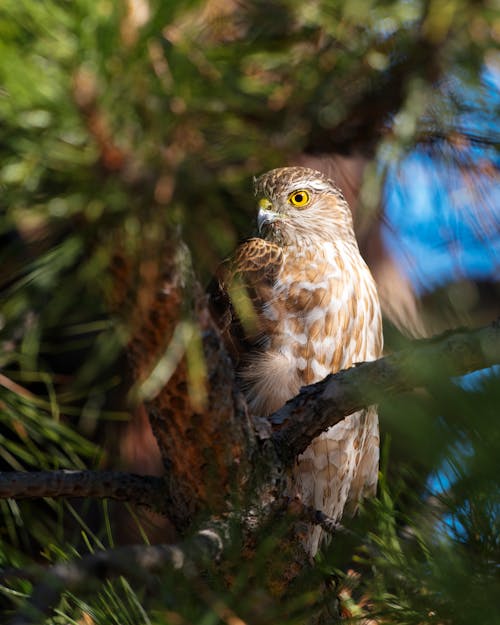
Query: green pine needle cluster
{"type": "Point", "coordinates": [120, 120]}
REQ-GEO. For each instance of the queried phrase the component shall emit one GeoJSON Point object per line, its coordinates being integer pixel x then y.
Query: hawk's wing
{"type": "Point", "coordinates": [239, 291]}
{"type": "Point", "coordinates": [338, 469]}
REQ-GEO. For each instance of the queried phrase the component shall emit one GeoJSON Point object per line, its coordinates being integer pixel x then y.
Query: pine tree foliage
{"type": "Point", "coordinates": [122, 121]}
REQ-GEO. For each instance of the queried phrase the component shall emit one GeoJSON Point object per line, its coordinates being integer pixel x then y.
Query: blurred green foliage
{"type": "Point", "coordinates": [119, 119]}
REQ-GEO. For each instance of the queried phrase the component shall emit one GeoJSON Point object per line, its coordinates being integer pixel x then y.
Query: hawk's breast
{"type": "Point", "coordinates": [323, 311]}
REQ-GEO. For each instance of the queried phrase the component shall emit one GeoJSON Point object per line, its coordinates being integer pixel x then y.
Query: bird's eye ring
{"type": "Point", "coordinates": [299, 198]}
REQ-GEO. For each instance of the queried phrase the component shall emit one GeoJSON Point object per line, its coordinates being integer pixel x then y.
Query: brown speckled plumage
{"type": "Point", "coordinates": [314, 310]}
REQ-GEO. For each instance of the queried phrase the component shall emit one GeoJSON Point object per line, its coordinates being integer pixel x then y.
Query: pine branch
{"type": "Point", "coordinates": [317, 407]}
{"type": "Point", "coordinates": [146, 490]}
{"type": "Point", "coordinates": [321, 405]}
{"type": "Point", "coordinates": [135, 561]}
{"type": "Point", "coordinates": [143, 563]}
{"type": "Point", "coordinates": [304, 417]}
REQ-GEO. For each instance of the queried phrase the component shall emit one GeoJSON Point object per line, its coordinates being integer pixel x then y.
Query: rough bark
{"type": "Point", "coordinates": [185, 379]}
{"type": "Point", "coordinates": [321, 405]}
{"type": "Point", "coordinates": [146, 490]}
{"type": "Point", "coordinates": [269, 453]}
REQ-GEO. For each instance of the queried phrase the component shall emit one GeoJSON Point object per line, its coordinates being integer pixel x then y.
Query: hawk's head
{"type": "Point", "coordinates": [298, 204]}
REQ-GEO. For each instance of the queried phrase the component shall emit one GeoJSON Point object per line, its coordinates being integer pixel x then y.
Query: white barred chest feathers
{"type": "Point", "coordinates": [320, 316]}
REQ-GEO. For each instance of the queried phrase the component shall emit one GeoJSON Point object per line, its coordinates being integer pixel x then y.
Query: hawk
{"type": "Point", "coordinates": [314, 310]}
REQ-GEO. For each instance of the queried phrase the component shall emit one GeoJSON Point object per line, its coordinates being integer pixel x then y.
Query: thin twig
{"type": "Point", "coordinates": [297, 508]}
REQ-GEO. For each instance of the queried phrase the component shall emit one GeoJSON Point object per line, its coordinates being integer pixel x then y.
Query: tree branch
{"type": "Point", "coordinates": [321, 405]}
{"type": "Point", "coordinates": [304, 417]}
{"type": "Point", "coordinates": [145, 490]}
{"type": "Point", "coordinates": [316, 408]}
{"type": "Point", "coordinates": [136, 561]}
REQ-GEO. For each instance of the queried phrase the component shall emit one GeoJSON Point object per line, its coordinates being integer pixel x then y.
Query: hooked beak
{"type": "Point", "coordinates": [265, 215]}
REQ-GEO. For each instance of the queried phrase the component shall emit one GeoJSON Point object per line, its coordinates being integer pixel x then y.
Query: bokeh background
{"type": "Point", "coordinates": [121, 121]}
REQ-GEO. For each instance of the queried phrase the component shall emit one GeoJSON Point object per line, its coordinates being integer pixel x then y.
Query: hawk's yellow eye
{"type": "Point", "coordinates": [299, 198]}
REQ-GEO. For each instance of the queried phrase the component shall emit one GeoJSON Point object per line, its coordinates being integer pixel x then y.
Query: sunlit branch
{"type": "Point", "coordinates": [324, 404]}
{"type": "Point", "coordinates": [316, 408]}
